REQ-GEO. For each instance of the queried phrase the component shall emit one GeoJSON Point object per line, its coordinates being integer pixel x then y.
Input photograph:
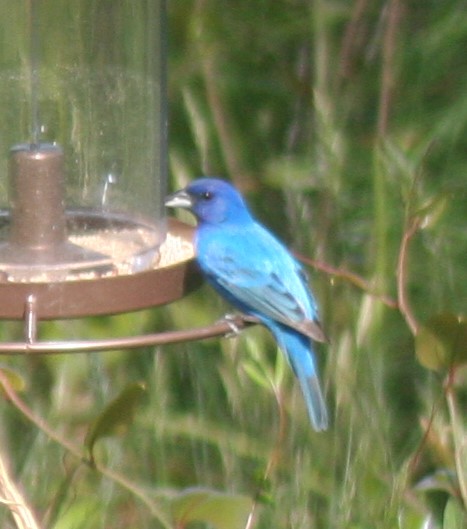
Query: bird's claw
{"type": "Point", "coordinates": [231, 320]}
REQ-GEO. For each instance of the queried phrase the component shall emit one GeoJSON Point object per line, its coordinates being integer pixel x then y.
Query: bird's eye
{"type": "Point", "coordinates": [206, 195]}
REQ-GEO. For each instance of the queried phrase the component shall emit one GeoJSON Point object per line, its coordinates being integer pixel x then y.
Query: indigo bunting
{"type": "Point", "coordinates": [254, 272]}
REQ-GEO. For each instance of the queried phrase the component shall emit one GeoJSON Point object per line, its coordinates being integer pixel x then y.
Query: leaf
{"type": "Point", "coordinates": [15, 380]}
{"type": "Point", "coordinates": [223, 511]}
{"type": "Point", "coordinates": [454, 516]}
{"type": "Point", "coordinates": [442, 342]}
{"type": "Point", "coordinates": [280, 368]}
{"type": "Point", "coordinates": [256, 366]}
{"type": "Point", "coordinates": [256, 375]}
{"type": "Point", "coordinates": [432, 210]}
{"type": "Point", "coordinates": [116, 417]}
{"type": "Point", "coordinates": [442, 479]}
{"type": "Point", "coordinates": [81, 514]}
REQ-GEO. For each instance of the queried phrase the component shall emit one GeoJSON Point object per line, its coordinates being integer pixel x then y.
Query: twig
{"type": "Point", "coordinates": [458, 435]}
{"type": "Point", "coordinates": [274, 457]}
{"type": "Point", "coordinates": [79, 454]}
{"type": "Point", "coordinates": [351, 36]}
{"type": "Point", "coordinates": [427, 433]}
{"type": "Point", "coordinates": [393, 14]}
{"type": "Point", "coordinates": [14, 500]}
{"type": "Point", "coordinates": [351, 277]}
{"type": "Point", "coordinates": [403, 301]}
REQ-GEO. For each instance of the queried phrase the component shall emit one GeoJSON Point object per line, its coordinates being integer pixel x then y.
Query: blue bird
{"type": "Point", "coordinates": [254, 272]}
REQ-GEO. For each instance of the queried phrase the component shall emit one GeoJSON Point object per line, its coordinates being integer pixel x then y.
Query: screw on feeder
{"type": "Point", "coordinates": [30, 319]}
{"type": "Point", "coordinates": [38, 236]}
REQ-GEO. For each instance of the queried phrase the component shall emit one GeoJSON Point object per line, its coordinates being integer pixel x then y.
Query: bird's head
{"type": "Point", "coordinates": [211, 200]}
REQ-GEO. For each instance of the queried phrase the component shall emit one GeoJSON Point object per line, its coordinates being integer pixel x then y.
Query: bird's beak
{"type": "Point", "coordinates": [180, 199]}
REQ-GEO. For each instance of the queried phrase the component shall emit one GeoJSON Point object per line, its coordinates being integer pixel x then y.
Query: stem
{"type": "Point", "coordinates": [388, 78]}
{"type": "Point", "coordinates": [459, 438]}
{"type": "Point", "coordinates": [380, 198]}
{"type": "Point", "coordinates": [349, 276]}
{"type": "Point", "coordinates": [402, 297]}
{"type": "Point", "coordinates": [275, 455]}
{"type": "Point", "coordinates": [351, 37]}
{"type": "Point", "coordinates": [208, 58]}
{"type": "Point", "coordinates": [14, 500]}
{"type": "Point", "coordinates": [78, 453]}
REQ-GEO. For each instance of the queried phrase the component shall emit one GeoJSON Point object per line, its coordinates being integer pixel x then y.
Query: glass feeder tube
{"type": "Point", "coordinates": [83, 155]}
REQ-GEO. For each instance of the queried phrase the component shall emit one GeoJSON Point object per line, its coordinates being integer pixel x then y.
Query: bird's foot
{"type": "Point", "coordinates": [232, 320]}
{"type": "Point", "coordinates": [237, 322]}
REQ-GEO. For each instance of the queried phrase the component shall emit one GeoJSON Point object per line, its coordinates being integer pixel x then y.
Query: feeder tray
{"type": "Point", "coordinates": [105, 295]}
{"type": "Point", "coordinates": [61, 263]}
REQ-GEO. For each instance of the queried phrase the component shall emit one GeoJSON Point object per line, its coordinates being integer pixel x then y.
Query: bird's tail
{"type": "Point", "coordinates": [300, 355]}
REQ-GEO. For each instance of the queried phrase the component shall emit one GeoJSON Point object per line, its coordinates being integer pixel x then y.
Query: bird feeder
{"type": "Point", "coordinates": [83, 162]}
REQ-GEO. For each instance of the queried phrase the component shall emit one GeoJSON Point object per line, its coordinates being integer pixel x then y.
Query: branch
{"type": "Point", "coordinates": [351, 277]}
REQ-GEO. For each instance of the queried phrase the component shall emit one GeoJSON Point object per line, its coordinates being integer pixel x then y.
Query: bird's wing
{"type": "Point", "coordinates": [270, 299]}
{"type": "Point", "coordinates": [259, 274]}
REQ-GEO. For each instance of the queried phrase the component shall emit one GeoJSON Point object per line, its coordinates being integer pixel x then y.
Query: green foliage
{"type": "Point", "coordinates": [14, 378]}
{"type": "Point", "coordinates": [117, 416]}
{"type": "Point", "coordinates": [348, 136]}
{"type": "Point", "coordinates": [222, 511]}
{"type": "Point", "coordinates": [454, 515]}
{"type": "Point", "coordinates": [84, 513]}
{"type": "Point", "coordinates": [441, 344]}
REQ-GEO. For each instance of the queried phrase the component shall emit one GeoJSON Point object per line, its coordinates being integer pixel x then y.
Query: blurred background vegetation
{"type": "Point", "coordinates": [344, 123]}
